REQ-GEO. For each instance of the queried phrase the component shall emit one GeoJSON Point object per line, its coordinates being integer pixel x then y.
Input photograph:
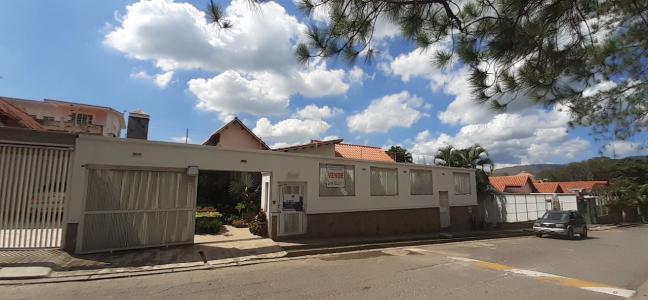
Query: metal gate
{"type": "Point", "coordinates": [33, 182]}
{"type": "Point", "coordinates": [128, 208]}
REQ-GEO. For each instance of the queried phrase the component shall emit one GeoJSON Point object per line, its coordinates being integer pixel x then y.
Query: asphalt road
{"type": "Point", "coordinates": [517, 268]}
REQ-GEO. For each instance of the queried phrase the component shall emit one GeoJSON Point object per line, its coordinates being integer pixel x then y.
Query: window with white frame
{"type": "Point", "coordinates": [461, 183]}
{"type": "Point", "coordinates": [384, 181]}
{"type": "Point", "coordinates": [421, 182]}
{"type": "Point", "coordinates": [337, 180]}
{"type": "Point", "coordinates": [81, 119]}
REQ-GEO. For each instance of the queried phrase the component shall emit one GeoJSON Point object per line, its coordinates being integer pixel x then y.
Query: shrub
{"type": "Point", "coordinates": [239, 223]}
{"type": "Point", "coordinates": [208, 222]}
{"type": "Point", "coordinates": [259, 226]}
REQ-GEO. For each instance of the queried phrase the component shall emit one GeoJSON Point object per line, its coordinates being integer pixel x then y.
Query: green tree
{"type": "Point", "coordinates": [243, 190]}
{"type": "Point", "coordinates": [546, 51]}
{"type": "Point", "coordinates": [399, 154]}
{"type": "Point", "coordinates": [473, 157]}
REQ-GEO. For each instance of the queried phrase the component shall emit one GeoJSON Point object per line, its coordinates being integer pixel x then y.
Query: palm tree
{"type": "Point", "coordinates": [473, 157]}
{"type": "Point", "coordinates": [445, 156]}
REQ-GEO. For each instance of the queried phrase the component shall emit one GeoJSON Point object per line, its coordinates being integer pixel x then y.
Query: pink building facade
{"type": "Point", "coordinates": [71, 117]}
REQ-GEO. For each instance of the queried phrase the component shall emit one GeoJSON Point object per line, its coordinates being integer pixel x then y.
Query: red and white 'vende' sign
{"type": "Point", "coordinates": [335, 176]}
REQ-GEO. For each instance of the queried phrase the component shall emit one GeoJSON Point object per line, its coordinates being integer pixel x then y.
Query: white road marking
{"type": "Point", "coordinates": [556, 279]}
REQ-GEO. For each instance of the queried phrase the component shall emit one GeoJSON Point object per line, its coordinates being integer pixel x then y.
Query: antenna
{"type": "Point", "coordinates": [187, 136]}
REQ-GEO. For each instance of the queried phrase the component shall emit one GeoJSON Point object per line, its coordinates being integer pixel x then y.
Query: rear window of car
{"type": "Point", "coordinates": [555, 216]}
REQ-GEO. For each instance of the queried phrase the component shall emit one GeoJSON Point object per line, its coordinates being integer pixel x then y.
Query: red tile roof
{"type": "Point", "coordinates": [14, 117]}
{"type": "Point", "coordinates": [346, 150]}
{"type": "Point", "coordinates": [568, 186]}
{"type": "Point", "coordinates": [503, 182]}
{"type": "Point", "coordinates": [548, 187]}
{"type": "Point", "coordinates": [362, 152]}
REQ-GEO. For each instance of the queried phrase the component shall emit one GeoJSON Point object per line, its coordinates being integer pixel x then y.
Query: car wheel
{"type": "Point", "coordinates": [570, 233]}
{"type": "Point", "coordinates": [539, 235]}
{"type": "Point", "coordinates": [584, 234]}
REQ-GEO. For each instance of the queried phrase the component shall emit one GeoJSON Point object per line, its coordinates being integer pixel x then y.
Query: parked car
{"type": "Point", "coordinates": [561, 223]}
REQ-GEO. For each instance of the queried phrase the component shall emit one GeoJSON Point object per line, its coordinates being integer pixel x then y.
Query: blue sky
{"type": "Point", "coordinates": [160, 56]}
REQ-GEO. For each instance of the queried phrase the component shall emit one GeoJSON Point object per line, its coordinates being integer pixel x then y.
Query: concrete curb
{"type": "Point", "coordinates": [609, 227]}
{"type": "Point", "coordinates": [296, 251]}
{"type": "Point", "coordinates": [642, 292]}
{"type": "Point", "coordinates": [114, 273]}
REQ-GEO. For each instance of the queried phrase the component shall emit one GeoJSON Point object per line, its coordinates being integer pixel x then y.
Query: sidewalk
{"type": "Point", "coordinates": [231, 246]}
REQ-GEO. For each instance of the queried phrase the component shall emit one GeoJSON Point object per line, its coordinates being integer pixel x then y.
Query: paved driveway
{"type": "Point", "coordinates": [608, 266]}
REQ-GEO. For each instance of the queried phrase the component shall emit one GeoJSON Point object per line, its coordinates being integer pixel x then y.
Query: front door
{"type": "Point", "coordinates": [444, 209]}
{"type": "Point", "coordinates": [293, 199]}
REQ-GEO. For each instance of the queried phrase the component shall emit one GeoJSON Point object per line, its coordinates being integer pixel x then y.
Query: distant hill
{"type": "Point", "coordinates": [633, 168]}
{"type": "Point", "coordinates": [533, 169]}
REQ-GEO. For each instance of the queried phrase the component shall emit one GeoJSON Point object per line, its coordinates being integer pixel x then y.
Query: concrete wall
{"type": "Point", "coordinates": [283, 167]}
{"type": "Point", "coordinates": [461, 217]}
{"type": "Point", "coordinates": [372, 223]}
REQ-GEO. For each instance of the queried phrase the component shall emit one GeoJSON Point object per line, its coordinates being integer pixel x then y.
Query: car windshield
{"type": "Point", "coordinates": [555, 216]}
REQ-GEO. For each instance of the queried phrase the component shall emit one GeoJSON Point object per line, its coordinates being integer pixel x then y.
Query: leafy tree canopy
{"type": "Point", "coordinates": [632, 170]}
{"type": "Point", "coordinates": [474, 157]}
{"type": "Point", "coordinates": [545, 51]}
{"type": "Point", "coordinates": [399, 154]}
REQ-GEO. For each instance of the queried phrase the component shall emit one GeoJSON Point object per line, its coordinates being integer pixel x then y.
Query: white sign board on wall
{"type": "Point", "coordinates": [335, 176]}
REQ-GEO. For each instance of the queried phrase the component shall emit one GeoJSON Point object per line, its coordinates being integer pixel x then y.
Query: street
{"type": "Point", "coordinates": [515, 268]}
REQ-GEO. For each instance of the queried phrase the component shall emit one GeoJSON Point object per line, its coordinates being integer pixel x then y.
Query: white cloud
{"type": "Point", "coordinates": [625, 148]}
{"type": "Point", "coordinates": [396, 110]}
{"type": "Point", "coordinates": [356, 75]}
{"type": "Point", "coordinates": [255, 59]}
{"type": "Point", "coordinates": [177, 36]}
{"type": "Point", "coordinates": [161, 80]}
{"type": "Point", "coordinates": [524, 133]}
{"type": "Point", "coordinates": [529, 136]}
{"type": "Point", "coordinates": [602, 86]}
{"type": "Point", "coordinates": [314, 112]}
{"type": "Point", "coordinates": [290, 131]}
{"type": "Point", "coordinates": [230, 93]}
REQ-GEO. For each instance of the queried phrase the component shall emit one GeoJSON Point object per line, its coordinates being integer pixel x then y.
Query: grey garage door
{"type": "Point", "coordinates": [130, 208]}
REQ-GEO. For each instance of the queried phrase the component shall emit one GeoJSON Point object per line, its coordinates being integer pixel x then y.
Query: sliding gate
{"type": "Point", "coordinates": [127, 208]}
{"type": "Point", "coordinates": [33, 183]}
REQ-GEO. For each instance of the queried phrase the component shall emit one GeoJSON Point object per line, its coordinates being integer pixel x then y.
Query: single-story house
{"type": "Point", "coordinates": [134, 193]}
{"type": "Point", "coordinates": [571, 195]}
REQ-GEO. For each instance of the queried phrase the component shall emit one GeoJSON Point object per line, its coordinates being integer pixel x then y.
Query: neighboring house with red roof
{"type": "Point", "coordinates": [11, 116]}
{"type": "Point", "coordinates": [519, 184]}
{"type": "Point", "coordinates": [61, 116]}
{"type": "Point", "coordinates": [335, 148]}
{"type": "Point", "coordinates": [582, 186]}
{"type": "Point", "coordinates": [582, 193]}
{"type": "Point", "coordinates": [235, 135]}
{"type": "Point", "coordinates": [548, 187]}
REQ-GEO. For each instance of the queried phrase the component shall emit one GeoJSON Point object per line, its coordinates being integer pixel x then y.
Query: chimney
{"type": "Point", "coordinates": [138, 122]}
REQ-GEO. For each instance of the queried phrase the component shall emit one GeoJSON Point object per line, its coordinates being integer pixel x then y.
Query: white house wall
{"type": "Point", "coordinates": [283, 167]}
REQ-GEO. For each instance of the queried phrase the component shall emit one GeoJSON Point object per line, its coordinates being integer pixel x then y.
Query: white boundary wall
{"type": "Point", "coordinates": [282, 167]}
{"type": "Point", "coordinates": [528, 207]}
